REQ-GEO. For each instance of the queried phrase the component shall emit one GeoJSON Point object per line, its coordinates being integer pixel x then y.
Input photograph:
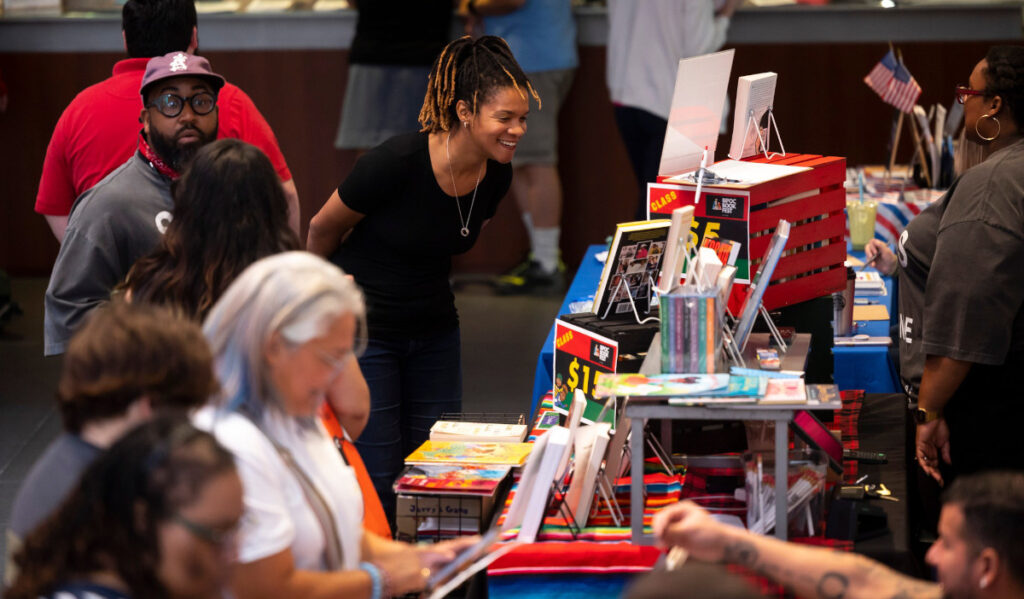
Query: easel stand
{"type": "Point", "coordinates": [763, 143]}
{"type": "Point", "coordinates": [632, 301]}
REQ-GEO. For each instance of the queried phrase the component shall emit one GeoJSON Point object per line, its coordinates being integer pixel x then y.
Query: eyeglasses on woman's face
{"type": "Point", "coordinates": [963, 92]}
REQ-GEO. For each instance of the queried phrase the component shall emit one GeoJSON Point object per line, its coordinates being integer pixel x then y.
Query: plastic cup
{"type": "Point", "coordinates": [862, 222]}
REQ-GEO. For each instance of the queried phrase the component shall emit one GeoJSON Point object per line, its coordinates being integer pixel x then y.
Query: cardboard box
{"type": "Point", "coordinates": [434, 516]}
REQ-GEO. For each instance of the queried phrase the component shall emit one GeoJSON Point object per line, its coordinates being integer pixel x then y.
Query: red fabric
{"type": "Point", "coordinates": [98, 131]}
{"type": "Point", "coordinates": [154, 159]}
{"type": "Point", "coordinates": [575, 557]}
{"type": "Point", "coordinates": [374, 519]}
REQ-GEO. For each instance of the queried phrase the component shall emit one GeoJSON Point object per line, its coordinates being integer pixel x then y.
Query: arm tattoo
{"type": "Point", "coordinates": [742, 553]}
{"type": "Point", "coordinates": [833, 585]}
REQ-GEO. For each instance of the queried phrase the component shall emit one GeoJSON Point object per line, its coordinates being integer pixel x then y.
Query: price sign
{"type": "Point", "coordinates": [721, 213]}
{"type": "Point", "coordinates": [579, 356]}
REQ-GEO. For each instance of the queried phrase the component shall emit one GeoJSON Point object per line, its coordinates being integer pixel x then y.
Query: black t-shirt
{"type": "Point", "coordinates": [962, 297]}
{"type": "Point", "coordinates": [400, 253]}
{"type": "Point", "coordinates": [401, 32]}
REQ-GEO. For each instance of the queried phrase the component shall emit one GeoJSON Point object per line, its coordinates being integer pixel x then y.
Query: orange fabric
{"type": "Point", "coordinates": [374, 519]}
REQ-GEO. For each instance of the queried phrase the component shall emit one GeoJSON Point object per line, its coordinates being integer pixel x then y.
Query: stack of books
{"type": "Point", "coordinates": [869, 283]}
{"type": "Point", "coordinates": [449, 487]}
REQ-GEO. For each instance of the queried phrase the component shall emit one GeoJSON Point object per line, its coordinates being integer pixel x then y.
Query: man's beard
{"type": "Point", "coordinates": [177, 156]}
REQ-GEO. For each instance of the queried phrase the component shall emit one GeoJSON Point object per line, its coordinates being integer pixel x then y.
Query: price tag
{"type": "Point", "coordinates": [720, 213]}
{"type": "Point", "coordinates": [579, 356]}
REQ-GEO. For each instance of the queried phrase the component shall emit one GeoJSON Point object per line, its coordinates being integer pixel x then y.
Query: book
{"type": "Point", "coordinates": [453, 430]}
{"type": "Point", "coordinates": [458, 452]}
{"type": "Point", "coordinates": [759, 283]}
{"type": "Point", "coordinates": [451, 478]}
{"type": "Point", "coordinates": [532, 495]}
{"type": "Point", "coordinates": [677, 250]}
{"type": "Point", "coordinates": [784, 391]}
{"type": "Point", "coordinates": [726, 250]}
{"type": "Point", "coordinates": [634, 257]}
{"type": "Point", "coordinates": [818, 394]}
{"type": "Point", "coordinates": [675, 385]}
{"type": "Point", "coordinates": [754, 97]}
{"type": "Point", "coordinates": [589, 447]}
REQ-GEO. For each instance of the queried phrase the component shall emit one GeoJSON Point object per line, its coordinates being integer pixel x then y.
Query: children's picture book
{"type": "Point", "coordinates": [634, 260]}
{"type": "Point", "coordinates": [674, 385]}
{"type": "Point", "coordinates": [785, 391]}
{"type": "Point", "coordinates": [458, 452]}
{"type": "Point", "coordinates": [451, 478]}
{"type": "Point", "coordinates": [822, 394]}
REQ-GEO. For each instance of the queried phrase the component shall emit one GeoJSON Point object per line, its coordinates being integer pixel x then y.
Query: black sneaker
{"type": "Point", "coordinates": [529, 278]}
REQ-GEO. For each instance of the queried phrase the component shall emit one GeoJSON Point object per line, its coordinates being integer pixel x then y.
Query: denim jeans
{"type": "Point", "coordinates": [412, 382]}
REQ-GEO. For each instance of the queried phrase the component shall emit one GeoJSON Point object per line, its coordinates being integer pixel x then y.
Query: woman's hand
{"type": "Point", "coordinates": [886, 262]}
{"type": "Point", "coordinates": [933, 441]}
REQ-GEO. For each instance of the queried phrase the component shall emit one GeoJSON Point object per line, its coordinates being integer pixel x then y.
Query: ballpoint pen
{"type": "Point", "coordinates": [868, 263]}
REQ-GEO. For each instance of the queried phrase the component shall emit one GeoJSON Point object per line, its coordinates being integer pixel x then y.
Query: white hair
{"type": "Point", "coordinates": [294, 294]}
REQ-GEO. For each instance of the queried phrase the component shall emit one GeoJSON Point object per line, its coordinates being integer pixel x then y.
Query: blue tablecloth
{"type": "Point", "coordinates": [856, 367]}
{"type": "Point", "coordinates": [869, 367]}
{"type": "Point", "coordinates": [583, 286]}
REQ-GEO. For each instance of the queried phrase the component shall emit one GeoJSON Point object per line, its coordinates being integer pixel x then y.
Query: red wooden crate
{"type": "Point", "coordinates": [812, 201]}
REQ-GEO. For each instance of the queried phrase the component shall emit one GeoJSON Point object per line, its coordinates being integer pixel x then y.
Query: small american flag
{"type": "Point", "coordinates": [896, 86]}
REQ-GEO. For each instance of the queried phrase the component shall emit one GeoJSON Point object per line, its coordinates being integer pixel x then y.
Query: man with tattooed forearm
{"type": "Point", "coordinates": [979, 553]}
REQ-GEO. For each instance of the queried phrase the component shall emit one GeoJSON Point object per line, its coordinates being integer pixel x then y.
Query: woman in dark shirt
{"type": "Point", "coordinates": [961, 289]}
{"type": "Point", "coordinates": [409, 205]}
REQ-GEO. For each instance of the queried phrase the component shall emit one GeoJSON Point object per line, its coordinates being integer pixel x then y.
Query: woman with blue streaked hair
{"type": "Point", "coordinates": [281, 335]}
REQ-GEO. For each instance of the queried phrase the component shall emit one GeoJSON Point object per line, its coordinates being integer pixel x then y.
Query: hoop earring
{"type": "Point", "coordinates": [999, 127]}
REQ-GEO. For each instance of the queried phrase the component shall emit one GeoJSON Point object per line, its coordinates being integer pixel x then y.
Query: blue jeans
{"type": "Point", "coordinates": [412, 382]}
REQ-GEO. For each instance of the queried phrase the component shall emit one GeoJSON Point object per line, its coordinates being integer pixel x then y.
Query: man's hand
{"type": "Point", "coordinates": [689, 526]}
{"type": "Point", "coordinates": [933, 441]}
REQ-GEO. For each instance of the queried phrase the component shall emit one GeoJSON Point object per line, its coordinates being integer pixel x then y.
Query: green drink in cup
{"type": "Point", "coordinates": [862, 222]}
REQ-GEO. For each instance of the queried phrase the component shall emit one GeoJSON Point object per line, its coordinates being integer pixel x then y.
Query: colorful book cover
{"type": "Point", "coordinates": [459, 452]}
{"type": "Point", "coordinates": [785, 391]}
{"type": "Point", "coordinates": [823, 394]}
{"type": "Point", "coordinates": [634, 259]}
{"type": "Point", "coordinates": [435, 478]}
{"type": "Point", "coordinates": [727, 251]}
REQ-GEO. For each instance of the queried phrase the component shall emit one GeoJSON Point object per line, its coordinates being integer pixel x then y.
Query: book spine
{"type": "Point", "coordinates": [666, 333]}
{"type": "Point", "coordinates": [694, 334]}
{"type": "Point", "coordinates": [677, 330]}
{"type": "Point", "coordinates": [701, 335]}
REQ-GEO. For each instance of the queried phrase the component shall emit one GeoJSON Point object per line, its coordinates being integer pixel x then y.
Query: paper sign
{"type": "Point", "coordinates": [579, 356]}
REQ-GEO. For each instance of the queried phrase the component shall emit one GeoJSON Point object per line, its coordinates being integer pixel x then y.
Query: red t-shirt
{"type": "Point", "coordinates": [98, 132]}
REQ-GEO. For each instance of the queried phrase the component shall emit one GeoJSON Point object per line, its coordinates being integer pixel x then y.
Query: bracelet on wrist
{"type": "Point", "coordinates": [376, 580]}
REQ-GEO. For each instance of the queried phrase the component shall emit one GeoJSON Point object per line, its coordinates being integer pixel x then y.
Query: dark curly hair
{"type": "Point", "coordinates": [126, 351]}
{"type": "Point", "coordinates": [470, 70]}
{"type": "Point", "coordinates": [1004, 77]}
{"type": "Point", "coordinates": [109, 523]}
{"type": "Point", "coordinates": [229, 211]}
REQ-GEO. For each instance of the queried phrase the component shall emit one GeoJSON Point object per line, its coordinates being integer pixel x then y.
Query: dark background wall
{"type": "Point", "coordinates": [821, 105]}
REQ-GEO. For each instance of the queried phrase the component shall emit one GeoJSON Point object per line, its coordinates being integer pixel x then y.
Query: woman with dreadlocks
{"type": "Point", "coordinates": [408, 206]}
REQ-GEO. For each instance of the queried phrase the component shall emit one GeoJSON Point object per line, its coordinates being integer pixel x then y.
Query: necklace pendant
{"type": "Point", "coordinates": [464, 231]}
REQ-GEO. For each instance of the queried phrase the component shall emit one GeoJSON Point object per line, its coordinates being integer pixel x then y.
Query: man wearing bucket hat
{"type": "Point", "coordinates": [123, 216]}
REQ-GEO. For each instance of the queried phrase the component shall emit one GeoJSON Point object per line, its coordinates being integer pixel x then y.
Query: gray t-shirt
{"type": "Point", "coordinates": [961, 283]}
{"type": "Point", "coordinates": [111, 226]}
{"type": "Point", "coordinates": [49, 481]}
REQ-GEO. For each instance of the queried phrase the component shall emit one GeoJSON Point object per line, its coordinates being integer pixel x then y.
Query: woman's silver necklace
{"type": "Point", "coordinates": [465, 221]}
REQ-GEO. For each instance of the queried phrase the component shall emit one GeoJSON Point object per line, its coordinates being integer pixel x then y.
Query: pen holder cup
{"type": "Point", "coordinates": [805, 492]}
{"type": "Point", "coordinates": [861, 217]}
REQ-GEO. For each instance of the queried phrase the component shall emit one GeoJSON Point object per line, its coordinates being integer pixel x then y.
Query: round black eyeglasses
{"type": "Point", "coordinates": [170, 105]}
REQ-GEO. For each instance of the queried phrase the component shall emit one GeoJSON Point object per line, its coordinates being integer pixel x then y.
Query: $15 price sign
{"type": "Point", "coordinates": [580, 355]}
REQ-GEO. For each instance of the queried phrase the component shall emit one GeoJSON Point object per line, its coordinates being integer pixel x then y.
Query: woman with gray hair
{"type": "Point", "coordinates": [281, 334]}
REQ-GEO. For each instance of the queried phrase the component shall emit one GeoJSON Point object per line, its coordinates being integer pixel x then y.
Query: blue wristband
{"type": "Point", "coordinates": [377, 588]}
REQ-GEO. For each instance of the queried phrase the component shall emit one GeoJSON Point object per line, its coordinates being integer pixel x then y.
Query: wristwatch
{"type": "Point", "coordinates": [924, 416]}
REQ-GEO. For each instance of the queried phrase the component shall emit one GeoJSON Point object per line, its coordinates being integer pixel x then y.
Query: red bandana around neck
{"type": "Point", "coordinates": [158, 163]}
